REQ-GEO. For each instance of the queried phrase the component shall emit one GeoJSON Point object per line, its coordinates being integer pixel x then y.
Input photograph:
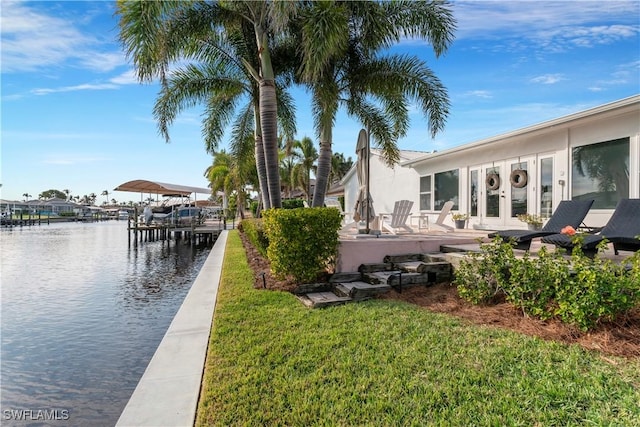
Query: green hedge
{"type": "Point", "coordinates": [253, 228]}
{"type": "Point", "coordinates": [577, 290]}
{"type": "Point", "coordinates": [302, 242]}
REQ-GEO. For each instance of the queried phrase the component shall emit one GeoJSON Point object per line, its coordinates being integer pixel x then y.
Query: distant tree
{"type": "Point", "coordinates": [50, 194]}
{"type": "Point", "coordinates": [68, 193]}
{"type": "Point", "coordinates": [26, 196]}
{"type": "Point", "coordinates": [105, 193]}
{"type": "Point", "coordinates": [339, 167]}
{"type": "Point", "coordinates": [307, 154]}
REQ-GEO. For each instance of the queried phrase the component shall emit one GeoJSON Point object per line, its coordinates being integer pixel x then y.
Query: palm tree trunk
{"type": "Point", "coordinates": [260, 162]}
{"type": "Point", "coordinates": [324, 167]}
{"type": "Point", "coordinates": [268, 119]}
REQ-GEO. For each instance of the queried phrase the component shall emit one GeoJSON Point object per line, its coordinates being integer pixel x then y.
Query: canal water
{"type": "Point", "coordinates": [82, 314]}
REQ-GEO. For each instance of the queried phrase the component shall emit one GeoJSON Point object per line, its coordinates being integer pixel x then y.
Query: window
{"type": "Point", "coordinates": [601, 172]}
{"type": "Point", "coordinates": [445, 189]}
{"type": "Point", "coordinates": [473, 193]}
{"type": "Point", "coordinates": [425, 193]}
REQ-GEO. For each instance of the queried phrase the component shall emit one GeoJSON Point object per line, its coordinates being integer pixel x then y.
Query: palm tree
{"type": "Point", "coordinates": [156, 33]}
{"type": "Point", "coordinates": [339, 167]}
{"type": "Point", "coordinates": [26, 196]}
{"type": "Point", "coordinates": [105, 193]}
{"type": "Point", "coordinates": [230, 174]}
{"type": "Point", "coordinates": [67, 192]}
{"type": "Point", "coordinates": [340, 43]}
{"type": "Point", "coordinates": [305, 151]}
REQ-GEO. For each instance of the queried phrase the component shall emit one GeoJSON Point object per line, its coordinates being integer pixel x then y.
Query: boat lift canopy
{"type": "Point", "coordinates": [142, 186]}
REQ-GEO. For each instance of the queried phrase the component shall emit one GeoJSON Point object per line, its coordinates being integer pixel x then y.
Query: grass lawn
{"type": "Point", "coordinates": [271, 361]}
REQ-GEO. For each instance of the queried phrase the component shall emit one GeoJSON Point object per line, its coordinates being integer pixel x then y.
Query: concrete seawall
{"type": "Point", "coordinates": [167, 394]}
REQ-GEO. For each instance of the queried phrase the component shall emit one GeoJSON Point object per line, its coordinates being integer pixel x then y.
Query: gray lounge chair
{"type": "Point", "coordinates": [622, 230]}
{"type": "Point", "coordinates": [568, 212]}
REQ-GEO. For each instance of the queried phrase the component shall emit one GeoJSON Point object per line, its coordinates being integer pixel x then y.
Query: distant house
{"type": "Point", "coordinates": [593, 154]}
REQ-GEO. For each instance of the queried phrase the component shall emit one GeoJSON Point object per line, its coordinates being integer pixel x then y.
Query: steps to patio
{"type": "Point", "coordinates": [394, 272]}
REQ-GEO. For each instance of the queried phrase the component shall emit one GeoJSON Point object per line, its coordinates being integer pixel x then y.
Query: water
{"type": "Point", "coordinates": [82, 315]}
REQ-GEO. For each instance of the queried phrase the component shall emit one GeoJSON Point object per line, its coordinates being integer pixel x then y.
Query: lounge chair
{"type": "Point", "coordinates": [622, 229]}
{"type": "Point", "coordinates": [568, 212]}
{"type": "Point", "coordinates": [397, 220]}
{"type": "Point", "coordinates": [439, 224]}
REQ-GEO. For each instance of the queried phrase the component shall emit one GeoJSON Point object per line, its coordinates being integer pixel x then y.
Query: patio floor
{"type": "Point", "coordinates": [356, 249]}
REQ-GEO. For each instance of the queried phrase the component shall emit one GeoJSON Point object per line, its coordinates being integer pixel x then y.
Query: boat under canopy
{"type": "Point", "coordinates": [143, 186]}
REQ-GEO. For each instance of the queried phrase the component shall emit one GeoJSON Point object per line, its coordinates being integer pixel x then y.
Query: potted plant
{"type": "Point", "coordinates": [534, 222]}
{"type": "Point", "coordinates": [460, 219]}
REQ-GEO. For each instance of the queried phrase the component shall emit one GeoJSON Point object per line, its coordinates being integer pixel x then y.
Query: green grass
{"type": "Point", "coordinates": [271, 361]}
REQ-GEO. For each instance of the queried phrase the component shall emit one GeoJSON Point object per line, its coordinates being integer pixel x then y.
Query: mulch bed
{"type": "Point", "coordinates": [618, 338]}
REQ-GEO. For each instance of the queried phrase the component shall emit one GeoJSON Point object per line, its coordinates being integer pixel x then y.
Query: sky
{"type": "Point", "coordinates": [74, 117]}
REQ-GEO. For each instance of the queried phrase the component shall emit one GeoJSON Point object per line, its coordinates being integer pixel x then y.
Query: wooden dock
{"type": "Point", "coordinates": [195, 233]}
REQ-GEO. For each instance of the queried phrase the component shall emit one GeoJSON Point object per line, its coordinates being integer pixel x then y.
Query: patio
{"type": "Point", "coordinates": [356, 249]}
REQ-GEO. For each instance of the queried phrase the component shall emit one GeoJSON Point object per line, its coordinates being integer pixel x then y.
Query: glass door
{"type": "Point", "coordinates": [494, 192]}
{"type": "Point", "coordinates": [546, 186]}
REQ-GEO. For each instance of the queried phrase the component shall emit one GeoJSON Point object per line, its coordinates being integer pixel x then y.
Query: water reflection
{"type": "Point", "coordinates": [82, 314]}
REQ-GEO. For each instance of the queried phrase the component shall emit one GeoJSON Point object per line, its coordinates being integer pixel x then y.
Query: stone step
{"type": "Point", "coordinates": [359, 291]}
{"type": "Point", "coordinates": [470, 247]}
{"type": "Point", "coordinates": [373, 267]}
{"type": "Point", "coordinates": [322, 299]}
{"type": "Point", "coordinates": [398, 279]}
{"type": "Point", "coordinates": [442, 270]}
{"type": "Point", "coordinates": [345, 277]}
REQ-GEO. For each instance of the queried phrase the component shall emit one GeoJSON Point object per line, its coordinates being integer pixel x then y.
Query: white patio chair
{"type": "Point", "coordinates": [439, 223]}
{"type": "Point", "coordinates": [397, 221]}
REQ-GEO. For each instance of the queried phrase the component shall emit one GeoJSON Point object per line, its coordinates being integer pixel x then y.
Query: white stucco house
{"type": "Point", "coordinates": [592, 154]}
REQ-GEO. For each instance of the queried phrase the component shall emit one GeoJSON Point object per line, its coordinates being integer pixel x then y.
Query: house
{"type": "Point", "coordinates": [592, 154]}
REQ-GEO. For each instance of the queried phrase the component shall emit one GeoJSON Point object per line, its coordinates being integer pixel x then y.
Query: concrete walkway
{"type": "Point", "coordinates": [167, 394]}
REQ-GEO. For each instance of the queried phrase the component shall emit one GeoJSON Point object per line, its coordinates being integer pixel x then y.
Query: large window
{"type": "Point", "coordinates": [601, 172]}
{"type": "Point", "coordinates": [437, 189]}
{"type": "Point", "coordinates": [425, 193]}
{"type": "Point", "coordinates": [445, 189]}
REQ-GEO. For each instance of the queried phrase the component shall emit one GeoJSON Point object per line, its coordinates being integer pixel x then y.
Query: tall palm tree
{"type": "Point", "coordinates": [341, 62]}
{"type": "Point", "coordinates": [105, 193]}
{"type": "Point", "coordinates": [157, 33]}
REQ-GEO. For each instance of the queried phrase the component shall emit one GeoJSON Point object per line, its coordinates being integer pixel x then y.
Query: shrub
{"type": "Point", "coordinates": [578, 290]}
{"type": "Point", "coordinates": [481, 278]}
{"type": "Point", "coordinates": [533, 282]}
{"type": "Point", "coordinates": [302, 242]}
{"type": "Point", "coordinates": [598, 289]}
{"type": "Point", "coordinates": [254, 230]}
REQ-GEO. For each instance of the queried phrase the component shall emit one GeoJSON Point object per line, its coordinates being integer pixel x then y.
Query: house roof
{"type": "Point", "coordinates": [153, 187]}
{"type": "Point", "coordinates": [543, 126]}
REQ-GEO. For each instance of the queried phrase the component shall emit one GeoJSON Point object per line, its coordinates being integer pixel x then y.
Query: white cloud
{"type": "Point", "coordinates": [33, 40]}
{"type": "Point", "coordinates": [74, 159]}
{"type": "Point", "coordinates": [484, 94]}
{"type": "Point", "coordinates": [548, 79]}
{"type": "Point", "coordinates": [551, 25]}
{"type": "Point", "coordinates": [86, 86]}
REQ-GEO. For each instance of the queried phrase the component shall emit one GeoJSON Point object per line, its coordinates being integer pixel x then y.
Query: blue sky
{"type": "Point", "coordinates": [74, 117]}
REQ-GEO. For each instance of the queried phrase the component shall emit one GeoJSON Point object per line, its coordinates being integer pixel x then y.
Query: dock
{"type": "Point", "coordinates": [204, 233]}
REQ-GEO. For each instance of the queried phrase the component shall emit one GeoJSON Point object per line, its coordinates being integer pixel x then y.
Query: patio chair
{"type": "Point", "coordinates": [335, 203]}
{"type": "Point", "coordinates": [397, 221]}
{"type": "Point", "coordinates": [568, 212]}
{"type": "Point", "coordinates": [439, 224]}
{"type": "Point", "coordinates": [622, 229]}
